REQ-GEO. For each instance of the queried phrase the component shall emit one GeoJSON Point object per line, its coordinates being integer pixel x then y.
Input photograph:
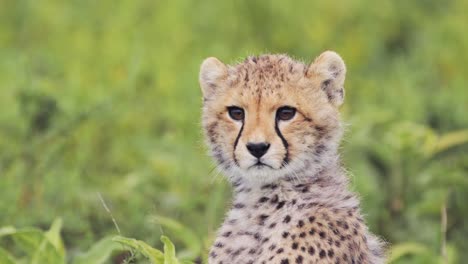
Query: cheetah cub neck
{"type": "Point", "coordinates": [273, 126]}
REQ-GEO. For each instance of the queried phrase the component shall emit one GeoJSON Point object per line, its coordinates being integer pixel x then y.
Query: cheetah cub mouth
{"type": "Point", "coordinates": [271, 117]}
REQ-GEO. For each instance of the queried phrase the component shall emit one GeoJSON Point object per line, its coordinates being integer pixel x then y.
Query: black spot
{"type": "Point", "coordinates": [280, 205]}
{"type": "Point", "coordinates": [285, 234]}
{"type": "Point", "coordinates": [219, 245]}
{"type": "Point", "coordinates": [279, 251]}
{"type": "Point", "coordinates": [262, 218]}
{"type": "Point", "coordinates": [295, 245]}
{"type": "Point", "coordinates": [287, 219]}
{"type": "Point", "coordinates": [272, 225]}
{"type": "Point", "coordinates": [326, 83]}
{"type": "Point", "coordinates": [285, 261]}
{"type": "Point", "coordinates": [239, 205]}
{"type": "Point", "coordinates": [302, 234]}
{"type": "Point", "coordinates": [213, 254]}
{"type": "Point", "coordinates": [227, 234]}
{"type": "Point", "coordinates": [319, 149]}
{"type": "Point", "coordinates": [322, 234]}
{"type": "Point", "coordinates": [299, 259]}
{"type": "Point", "coordinates": [311, 250]}
{"type": "Point", "coordinates": [269, 186]}
{"type": "Point", "coordinates": [274, 199]}
{"type": "Point", "coordinates": [263, 199]}
{"type": "Point", "coordinates": [341, 92]}
{"type": "Point", "coordinates": [311, 219]}
{"type": "Point", "coordinates": [322, 253]}
{"type": "Point", "coordinates": [330, 253]}
{"type": "Point", "coordinates": [300, 223]}
{"type": "Point", "coordinates": [257, 236]}
{"type": "Point", "coordinates": [312, 231]}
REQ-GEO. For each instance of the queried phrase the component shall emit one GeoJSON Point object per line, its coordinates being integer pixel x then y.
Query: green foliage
{"type": "Point", "coordinates": [99, 253]}
{"type": "Point", "coordinates": [47, 247]}
{"type": "Point", "coordinates": [38, 246]}
{"type": "Point", "coordinates": [102, 97]}
{"type": "Point", "coordinates": [154, 255]}
{"type": "Point", "coordinates": [191, 241]}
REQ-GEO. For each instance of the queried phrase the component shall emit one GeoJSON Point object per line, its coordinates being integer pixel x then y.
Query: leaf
{"type": "Point", "coordinates": [403, 249]}
{"type": "Point", "coordinates": [169, 251]}
{"type": "Point", "coordinates": [53, 235]}
{"type": "Point", "coordinates": [450, 140]}
{"type": "Point", "coordinates": [35, 244]}
{"type": "Point", "coordinates": [47, 253]}
{"type": "Point", "coordinates": [186, 235]}
{"type": "Point", "coordinates": [28, 239]}
{"type": "Point", "coordinates": [99, 252]}
{"type": "Point", "coordinates": [154, 255]}
{"type": "Point", "coordinates": [6, 258]}
{"type": "Point", "coordinates": [7, 230]}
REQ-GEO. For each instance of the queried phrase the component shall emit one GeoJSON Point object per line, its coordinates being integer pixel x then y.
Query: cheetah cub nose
{"type": "Point", "coordinates": [258, 149]}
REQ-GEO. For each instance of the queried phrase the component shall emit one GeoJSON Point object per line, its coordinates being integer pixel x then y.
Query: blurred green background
{"type": "Point", "coordinates": [102, 97]}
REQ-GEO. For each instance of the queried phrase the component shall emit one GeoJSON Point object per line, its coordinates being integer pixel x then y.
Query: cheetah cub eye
{"type": "Point", "coordinates": [236, 113]}
{"type": "Point", "coordinates": [285, 113]}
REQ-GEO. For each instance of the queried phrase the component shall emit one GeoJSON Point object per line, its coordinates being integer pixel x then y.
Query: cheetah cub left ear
{"type": "Point", "coordinates": [329, 70]}
{"type": "Point", "coordinates": [212, 75]}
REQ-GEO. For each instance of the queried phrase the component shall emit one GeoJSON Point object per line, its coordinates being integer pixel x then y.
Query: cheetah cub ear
{"type": "Point", "coordinates": [330, 71]}
{"type": "Point", "coordinates": [212, 73]}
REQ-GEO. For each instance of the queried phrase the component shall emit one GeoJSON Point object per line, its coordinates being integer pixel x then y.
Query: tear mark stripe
{"type": "Point", "coordinates": [285, 143]}
{"type": "Point", "coordinates": [235, 143]}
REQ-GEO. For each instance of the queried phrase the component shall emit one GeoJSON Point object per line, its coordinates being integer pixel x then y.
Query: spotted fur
{"type": "Point", "coordinates": [295, 207]}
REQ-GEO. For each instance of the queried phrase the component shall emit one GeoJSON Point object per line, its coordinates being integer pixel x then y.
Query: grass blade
{"type": "Point", "coordinates": [99, 253]}
{"type": "Point", "coordinates": [154, 255]}
{"type": "Point", "coordinates": [169, 251]}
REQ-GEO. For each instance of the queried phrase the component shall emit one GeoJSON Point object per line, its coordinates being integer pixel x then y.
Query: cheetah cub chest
{"type": "Point", "coordinates": [273, 126]}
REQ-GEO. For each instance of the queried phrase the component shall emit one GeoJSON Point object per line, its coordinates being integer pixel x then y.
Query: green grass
{"type": "Point", "coordinates": [102, 97]}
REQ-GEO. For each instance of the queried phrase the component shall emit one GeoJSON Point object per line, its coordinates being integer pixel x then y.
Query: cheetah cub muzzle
{"type": "Point", "coordinates": [273, 126]}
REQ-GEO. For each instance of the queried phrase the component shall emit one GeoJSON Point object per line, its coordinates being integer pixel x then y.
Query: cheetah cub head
{"type": "Point", "coordinates": [272, 117]}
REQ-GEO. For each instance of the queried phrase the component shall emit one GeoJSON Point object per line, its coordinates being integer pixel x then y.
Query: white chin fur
{"type": "Point", "coordinates": [266, 174]}
{"type": "Point", "coordinates": [300, 167]}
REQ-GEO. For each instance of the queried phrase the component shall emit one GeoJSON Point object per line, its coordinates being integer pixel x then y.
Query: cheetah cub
{"type": "Point", "coordinates": [273, 126]}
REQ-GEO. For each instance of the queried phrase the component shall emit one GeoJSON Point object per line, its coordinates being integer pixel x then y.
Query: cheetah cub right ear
{"type": "Point", "coordinates": [212, 74]}
{"type": "Point", "coordinates": [330, 71]}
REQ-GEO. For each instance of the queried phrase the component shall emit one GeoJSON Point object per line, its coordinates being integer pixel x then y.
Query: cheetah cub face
{"type": "Point", "coordinates": [270, 116]}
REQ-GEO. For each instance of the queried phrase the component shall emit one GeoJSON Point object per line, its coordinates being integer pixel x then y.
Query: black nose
{"type": "Point", "coordinates": [258, 149]}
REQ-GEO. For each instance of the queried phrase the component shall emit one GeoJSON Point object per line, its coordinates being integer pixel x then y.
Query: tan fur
{"type": "Point", "coordinates": [302, 178]}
